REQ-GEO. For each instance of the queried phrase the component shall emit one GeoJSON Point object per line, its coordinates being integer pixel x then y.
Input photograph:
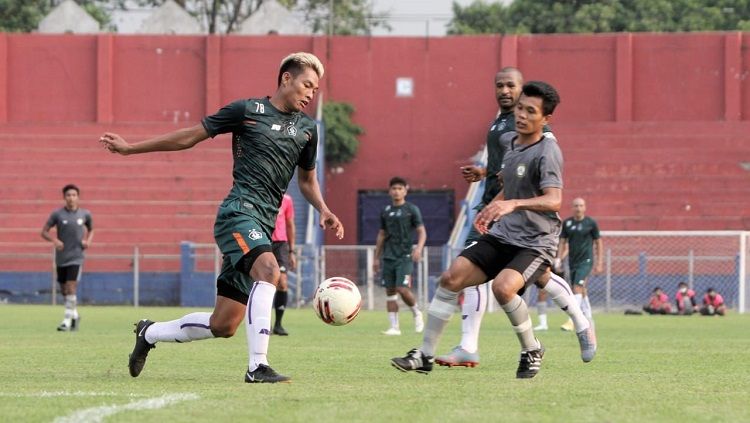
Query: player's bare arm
{"type": "Point", "coordinates": [416, 254]}
{"type": "Point", "coordinates": [550, 200]}
{"type": "Point", "coordinates": [473, 173]}
{"type": "Point", "coordinates": [291, 230]}
{"type": "Point", "coordinates": [378, 250]}
{"type": "Point", "coordinates": [86, 242]}
{"type": "Point", "coordinates": [46, 235]}
{"type": "Point", "coordinates": [310, 189]}
{"type": "Point", "coordinates": [180, 139]}
{"type": "Point", "coordinates": [599, 257]}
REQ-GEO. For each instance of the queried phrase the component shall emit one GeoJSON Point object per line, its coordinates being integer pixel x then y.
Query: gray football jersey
{"type": "Point", "coordinates": [70, 224]}
{"type": "Point", "coordinates": [526, 172]}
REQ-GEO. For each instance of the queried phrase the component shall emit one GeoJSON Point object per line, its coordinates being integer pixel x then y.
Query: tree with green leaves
{"type": "Point", "coordinates": [342, 17]}
{"type": "Point", "coordinates": [587, 16]}
{"type": "Point", "coordinates": [225, 16]}
{"type": "Point", "coordinates": [341, 141]}
{"type": "Point", "coordinates": [25, 15]}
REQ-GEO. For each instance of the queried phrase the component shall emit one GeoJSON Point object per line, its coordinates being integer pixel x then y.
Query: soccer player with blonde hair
{"type": "Point", "coordinates": [271, 137]}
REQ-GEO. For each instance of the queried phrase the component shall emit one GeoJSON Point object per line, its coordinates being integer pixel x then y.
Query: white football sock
{"type": "Point", "coordinates": [439, 314]}
{"type": "Point", "coordinates": [588, 307]}
{"type": "Point", "coordinates": [560, 293]}
{"type": "Point", "coordinates": [585, 307]}
{"type": "Point", "coordinates": [472, 311]}
{"type": "Point", "coordinates": [543, 320]}
{"type": "Point", "coordinates": [70, 309]}
{"type": "Point", "coordinates": [415, 310]}
{"type": "Point", "coordinates": [393, 317]}
{"type": "Point", "coordinates": [190, 327]}
{"type": "Point", "coordinates": [258, 323]}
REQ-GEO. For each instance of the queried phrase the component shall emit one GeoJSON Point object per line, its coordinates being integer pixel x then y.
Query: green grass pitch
{"type": "Point", "coordinates": [648, 369]}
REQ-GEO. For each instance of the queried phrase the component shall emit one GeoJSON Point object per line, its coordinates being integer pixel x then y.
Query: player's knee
{"type": "Point", "coordinates": [450, 282]}
{"type": "Point", "coordinates": [223, 329]}
{"type": "Point", "coordinates": [503, 292]}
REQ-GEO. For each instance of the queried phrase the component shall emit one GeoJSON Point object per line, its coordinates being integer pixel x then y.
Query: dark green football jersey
{"type": "Point", "coordinates": [267, 146]}
{"type": "Point", "coordinates": [580, 235]}
{"type": "Point", "coordinates": [506, 122]}
{"type": "Point", "coordinates": [399, 223]}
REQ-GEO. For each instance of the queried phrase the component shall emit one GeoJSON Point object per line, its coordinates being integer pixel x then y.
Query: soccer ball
{"type": "Point", "coordinates": [337, 301]}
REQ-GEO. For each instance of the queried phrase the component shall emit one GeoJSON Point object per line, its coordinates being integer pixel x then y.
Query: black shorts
{"type": "Point", "coordinates": [69, 273]}
{"type": "Point", "coordinates": [491, 256]}
{"type": "Point", "coordinates": [281, 252]}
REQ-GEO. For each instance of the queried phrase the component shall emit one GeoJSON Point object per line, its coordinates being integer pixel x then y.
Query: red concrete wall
{"type": "Point", "coordinates": [678, 77]}
{"type": "Point", "coordinates": [611, 85]}
{"type": "Point", "coordinates": [51, 78]}
{"type": "Point", "coordinates": [158, 79]}
{"type": "Point", "coordinates": [582, 70]}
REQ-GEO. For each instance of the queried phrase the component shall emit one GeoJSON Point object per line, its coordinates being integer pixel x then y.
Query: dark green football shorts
{"type": "Point", "coordinates": [396, 272]}
{"type": "Point", "coordinates": [241, 239]}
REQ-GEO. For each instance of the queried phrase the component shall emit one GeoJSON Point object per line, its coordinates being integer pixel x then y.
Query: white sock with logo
{"type": "Point", "coordinates": [472, 311]}
{"type": "Point", "coordinates": [560, 293]}
{"type": "Point", "coordinates": [190, 327]}
{"type": "Point", "coordinates": [258, 322]}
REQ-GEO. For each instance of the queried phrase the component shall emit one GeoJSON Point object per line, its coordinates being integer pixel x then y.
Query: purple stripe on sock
{"type": "Point", "coordinates": [249, 302]}
{"type": "Point", "coordinates": [563, 284]}
{"type": "Point", "coordinates": [479, 297]}
{"type": "Point", "coordinates": [194, 325]}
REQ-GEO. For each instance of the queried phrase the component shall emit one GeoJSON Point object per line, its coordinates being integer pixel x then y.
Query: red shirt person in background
{"type": "Point", "coordinates": [658, 303]}
{"type": "Point", "coordinates": [685, 299]}
{"type": "Point", "coordinates": [713, 303]}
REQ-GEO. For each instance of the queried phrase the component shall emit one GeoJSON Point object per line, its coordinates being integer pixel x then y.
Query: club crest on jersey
{"type": "Point", "coordinates": [254, 234]}
{"type": "Point", "coordinates": [291, 130]}
{"type": "Point", "coordinates": [79, 221]}
{"type": "Point", "coordinates": [501, 126]}
{"type": "Point", "coordinates": [521, 170]}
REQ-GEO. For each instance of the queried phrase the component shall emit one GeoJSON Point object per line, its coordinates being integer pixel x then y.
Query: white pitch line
{"type": "Point", "coordinates": [97, 414]}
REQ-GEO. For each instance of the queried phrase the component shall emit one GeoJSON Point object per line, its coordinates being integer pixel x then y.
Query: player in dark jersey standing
{"type": "Point", "coordinates": [75, 231]}
{"type": "Point", "coordinates": [581, 243]}
{"type": "Point", "coordinates": [519, 247]}
{"type": "Point", "coordinates": [270, 138]}
{"type": "Point", "coordinates": [398, 221]}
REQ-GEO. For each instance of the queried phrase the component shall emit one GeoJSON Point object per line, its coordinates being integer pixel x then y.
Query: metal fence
{"type": "Point", "coordinates": [635, 263]}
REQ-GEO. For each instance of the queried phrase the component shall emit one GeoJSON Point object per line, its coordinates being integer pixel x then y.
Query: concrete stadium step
{"type": "Point", "coordinates": [93, 189]}
{"type": "Point", "coordinates": [676, 196]}
{"type": "Point", "coordinates": [609, 208]}
{"type": "Point", "coordinates": [116, 168]}
{"type": "Point", "coordinates": [166, 207]}
{"type": "Point", "coordinates": [78, 140]}
{"type": "Point", "coordinates": [647, 223]}
{"type": "Point", "coordinates": [105, 221]}
{"type": "Point", "coordinates": [656, 154]}
{"type": "Point", "coordinates": [133, 236]}
{"type": "Point", "coordinates": [63, 153]}
{"type": "Point", "coordinates": [737, 183]}
{"type": "Point", "coordinates": [645, 168]}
